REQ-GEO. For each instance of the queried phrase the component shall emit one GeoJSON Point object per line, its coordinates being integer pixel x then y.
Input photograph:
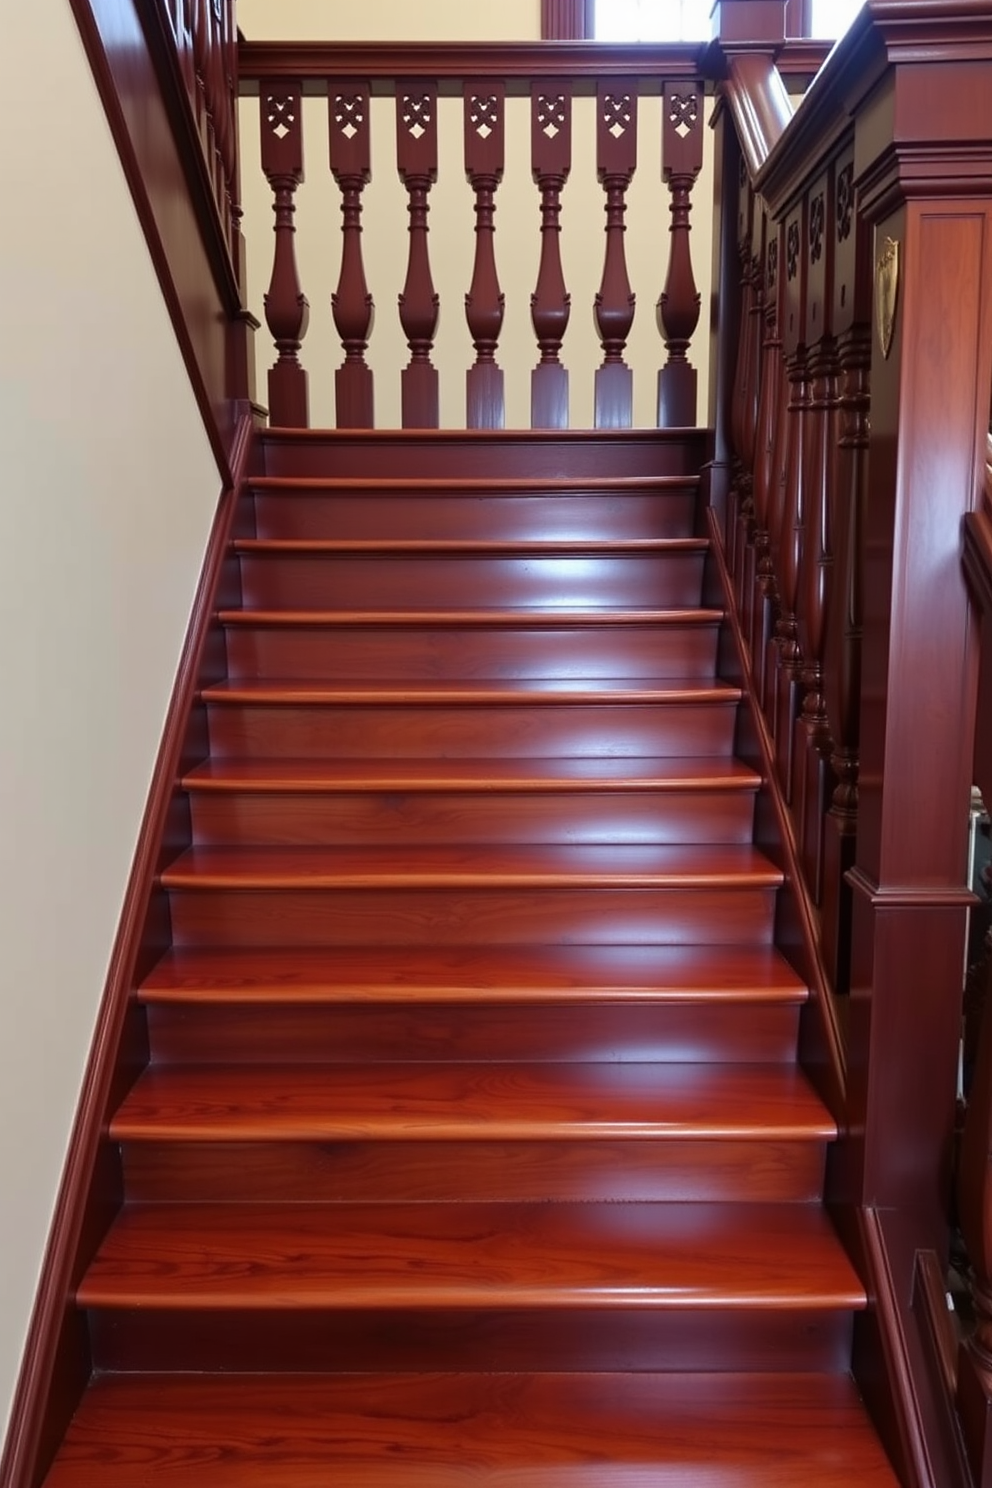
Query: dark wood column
{"type": "Point", "coordinates": [568, 20]}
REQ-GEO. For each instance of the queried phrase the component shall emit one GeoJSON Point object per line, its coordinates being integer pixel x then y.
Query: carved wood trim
{"type": "Point", "coordinates": [55, 1359]}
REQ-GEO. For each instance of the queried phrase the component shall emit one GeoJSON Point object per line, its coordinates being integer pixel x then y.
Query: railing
{"type": "Point", "coordinates": [850, 445]}
{"type": "Point", "coordinates": [205, 44]}
{"type": "Point", "coordinates": [489, 80]}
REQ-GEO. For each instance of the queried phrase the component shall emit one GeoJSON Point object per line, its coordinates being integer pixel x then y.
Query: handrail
{"type": "Point", "coordinates": [759, 103]}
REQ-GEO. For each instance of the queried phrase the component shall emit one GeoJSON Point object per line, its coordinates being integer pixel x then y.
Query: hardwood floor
{"type": "Point", "coordinates": [472, 1147]}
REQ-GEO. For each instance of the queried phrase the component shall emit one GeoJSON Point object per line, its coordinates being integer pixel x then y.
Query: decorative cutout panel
{"type": "Point", "coordinates": [617, 113]}
{"type": "Point", "coordinates": [683, 115]}
{"type": "Point", "coordinates": [483, 115]}
{"type": "Point", "coordinates": [349, 115]}
{"type": "Point", "coordinates": [771, 273]}
{"type": "Point", "coordinates": [792, 250]}
{"type": "Point", "coordinates": [281, 113]}
{"type": "Point", "coordinates": [845, 202]}
{"type": "Point", "coordinates": [551, 115]}
{"type": "Point", "coordinates": [817, 212]}
{"type": "Point", "coordinates": [417, 114]}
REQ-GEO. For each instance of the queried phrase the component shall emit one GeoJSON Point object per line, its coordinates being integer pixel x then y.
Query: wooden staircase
{"type": "Point", "coordinates": [473, 1146]}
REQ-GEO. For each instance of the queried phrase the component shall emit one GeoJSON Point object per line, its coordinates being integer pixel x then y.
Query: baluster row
{"type": "Point", "coordinates": [484, 105]}
{"type": "Point", "coordinates": [794, 522]}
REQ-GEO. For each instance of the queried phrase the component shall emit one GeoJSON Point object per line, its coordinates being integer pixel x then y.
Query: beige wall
{"type": "Point", "coordinates": [452, 238]}
{"type": "Point", "coordinates": [108, 489]}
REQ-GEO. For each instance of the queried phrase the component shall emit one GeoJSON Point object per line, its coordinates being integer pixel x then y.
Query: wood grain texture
{"type": "Point", "coordinates": [612, 1431]}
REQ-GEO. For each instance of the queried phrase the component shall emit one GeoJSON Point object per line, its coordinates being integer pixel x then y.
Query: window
{"type": "Point", "coordinates": [689, 20]}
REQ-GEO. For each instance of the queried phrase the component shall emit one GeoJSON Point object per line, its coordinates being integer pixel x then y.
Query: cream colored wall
{"type": "Point", "coordinates": [107, 491]}
{"type": "Point", "coordinates": [452, 222]}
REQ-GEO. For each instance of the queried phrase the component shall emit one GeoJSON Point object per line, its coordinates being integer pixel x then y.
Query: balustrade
{"type": "Point", "coordinates": [627, 89]}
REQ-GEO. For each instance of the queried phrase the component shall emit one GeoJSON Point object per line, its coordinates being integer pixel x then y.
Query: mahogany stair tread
{"type": "Point", "coordinates": [478, 1256]}
{"type": "Point", "coordinates": [459, 1101]}
{"type": "Point", "coordinates": [561, 973]}
{"type": "Point", "coordinates": [530, 546]}
{"type": "Point", "coordinates": [531, 615]}
{"type": "Point", "coordinates": [525, 865]}
{"type": "Point", "coordinates": [429, 1430]}
{"type": "Point", "coordinates": [486, 692]}
{"type": "Point", "coordinates": [516, 774]}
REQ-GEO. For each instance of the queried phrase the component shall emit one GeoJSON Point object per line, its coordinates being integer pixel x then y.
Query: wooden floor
{"type": "Point", "coordinates": [471, 1147]}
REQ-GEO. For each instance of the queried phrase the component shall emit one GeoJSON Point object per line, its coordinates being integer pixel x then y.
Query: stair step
{"type": "Point", "coordinates": [506, 1285]}
{"type": "Point", "coordinates": [277, 801]}
{"type": "Point", "coordinates": [470, 644]}
{"type": "Point", "coordinates": [396, 576]}
{"type": "Point", "coordinates": [433, 866]}
{"type": "Point", "coordinates": [613, 717]}
{"type": "Point", "coordinates": [460, 1131]}
{"type": "Point", "coordinates": [585, 1002]}
{"type": "Point", "coordinates": [460, 1430]}
{"type": "Point", "coordinates": [437, 1101]}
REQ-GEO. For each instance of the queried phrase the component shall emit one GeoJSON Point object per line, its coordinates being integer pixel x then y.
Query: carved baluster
{"type": "Point", "coordinates": [678, 308]}
{"type": "Point", "coordinates": [551, 159]}
{"type": "Point", "coordinates": [842, 653]}
{"type": "Point", "coordinates": [287, 311]}
{"type": "Point", "coordinates": [351, 166]}
{"type": "Point", "coordinates": [789, 668]}
{"type": "Point", "coordinates": [484, 111]}
{"type": "Point", "coordinates": [616, 161]}
{"type": "Point", "coordinates": [416, 155]}
{"type": "Point", "coordinates": [765, 469]}
{"type": "Point", "coordinates": [753, 348]}
{"type": "Point", "coordinates": [817, 578]}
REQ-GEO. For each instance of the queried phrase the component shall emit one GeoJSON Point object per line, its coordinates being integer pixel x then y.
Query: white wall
{"type": "Point", "coordinates": [452, 222]}
{"type": "Point", "coordinates": [107, 490]}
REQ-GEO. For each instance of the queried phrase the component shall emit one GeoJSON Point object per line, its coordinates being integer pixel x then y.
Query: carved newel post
{"type": "Point", "coordinates": [616, 161]}
{"type": "Point", "coordinates": [287, 311]}
{"type": "Point", "coordinates": [678, 308]}
{"type": "Point", "coordinates": [484, 112]}
{"type": "Point", "coordinates": [416, 155]}
{"type": "Point", "coordinates": [551, 159]}
{"type": "Point", "coordinates": [351, 166]}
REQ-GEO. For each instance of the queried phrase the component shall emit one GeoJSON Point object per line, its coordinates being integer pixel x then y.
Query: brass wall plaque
{"type": "Point", "coordinates": [886, 293]}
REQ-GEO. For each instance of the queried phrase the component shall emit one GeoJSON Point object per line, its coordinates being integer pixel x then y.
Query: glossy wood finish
{"type": "Point", "coordinates": [551, 161]}
{"type": "Point", "coordinates": [613, 309]}
{"type": "Point", "coordinates": [683, 1431]}
{"type": "Point", "coordinates": [416, 158]}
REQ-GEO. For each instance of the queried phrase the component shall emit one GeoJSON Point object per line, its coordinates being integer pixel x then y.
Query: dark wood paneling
{"type": "Point", "coordinates": [56, 1361]}
{"type": "Point", "coordinates": [137, 73]}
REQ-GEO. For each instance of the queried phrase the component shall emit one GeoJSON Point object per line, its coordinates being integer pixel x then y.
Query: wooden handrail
{"type": "Point", "coordinates": [759, 104]}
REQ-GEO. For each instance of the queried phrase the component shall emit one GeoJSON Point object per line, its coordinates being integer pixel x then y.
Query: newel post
{"type": "Point", "coordinates": [931, 370]}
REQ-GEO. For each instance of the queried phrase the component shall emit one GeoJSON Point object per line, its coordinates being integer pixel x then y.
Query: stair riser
{"type": "Point", "coordinates": [427, 517]}
{"type": "Point", "coordinates": [689, 1032]}
{"type": "Point", "coordinates": [405, 653]}
{"type": "Point", "coordinates": [525, 916]}
{"type": "Point", "coordinates": [283, 818]}
{"type": "Point", "coordinates": [315, 731]}
{"type": "Point", "coordinates": [543, 456]}
{"type": "Point", "coordinates": [562, 1338]}
{"type": "Point", "coordinates": [606, 1171]}
{"type": "Point", "coordinates": [360, 582]}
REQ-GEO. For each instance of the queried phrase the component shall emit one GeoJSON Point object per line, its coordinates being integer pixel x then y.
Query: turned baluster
{"type": "Point", "coordinates": [416, 155]}
{"type": "Point", "coordinates": [287, 311]}
{"type": "Point", "coordinates": [766, 451]}
{"type": "Point", "coordinates": [789, 660]}
{"type": "Point", "coordinates": [753, 348]}
{"type": "Point", "coordinates": [842, 654]}
{"type": "Point", "coordinates": [678, 308]}
{"type": "Point", "coordinates": [616, 161]}
{"type": "Point", "coordinates": [351, 303]}
{"type": "Point", "coordinates": [485, 105]}
{"type": "Point", "coordinates": [551, 159]}
{"type": "Point", "coordinates": [813, 742]}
